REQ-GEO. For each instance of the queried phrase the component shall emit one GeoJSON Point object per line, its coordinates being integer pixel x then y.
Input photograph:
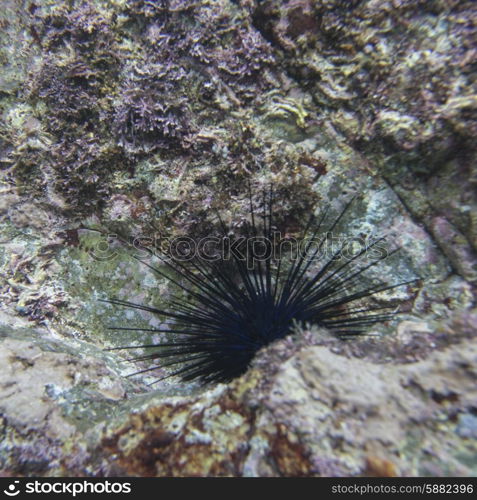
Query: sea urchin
{"type": "Point", "coordinates": [248, 295]}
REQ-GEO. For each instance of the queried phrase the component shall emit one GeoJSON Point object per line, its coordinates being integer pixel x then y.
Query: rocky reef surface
{"type": "Point", "coordinates": [144, 118]}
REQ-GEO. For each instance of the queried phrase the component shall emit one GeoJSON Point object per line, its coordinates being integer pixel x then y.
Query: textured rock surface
{"type": "Point", "coordinates": [314, 413]}
{"type": "Point", "coordinates": [303, 409]}
{"type": "Point", "coordinates": [140, 118]}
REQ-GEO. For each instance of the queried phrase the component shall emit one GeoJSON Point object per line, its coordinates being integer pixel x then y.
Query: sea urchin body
{"type": "Point", "coordinates": [247, 297]}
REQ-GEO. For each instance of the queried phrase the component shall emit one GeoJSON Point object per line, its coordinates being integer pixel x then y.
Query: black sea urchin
{"type": "Point", "coordinates": [246, 295]}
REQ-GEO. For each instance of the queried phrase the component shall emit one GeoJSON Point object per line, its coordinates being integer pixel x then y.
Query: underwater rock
{"type": "Point", "coordinates": [297, 412]}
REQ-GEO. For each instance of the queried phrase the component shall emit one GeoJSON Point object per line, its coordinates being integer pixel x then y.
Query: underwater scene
{"type": "Point", "coordinates": [238, 238]}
